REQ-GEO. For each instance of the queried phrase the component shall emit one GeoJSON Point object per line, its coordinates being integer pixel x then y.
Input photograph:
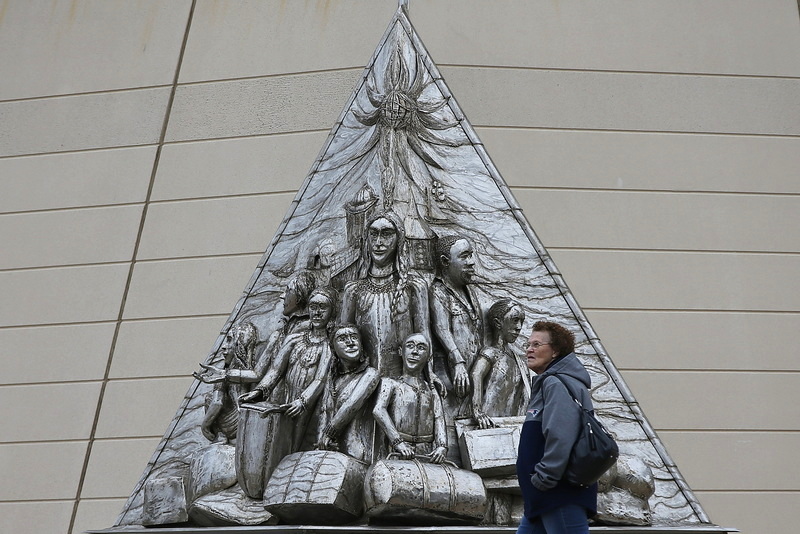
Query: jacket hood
{"type": "Point", "coordinates": [568, 365]}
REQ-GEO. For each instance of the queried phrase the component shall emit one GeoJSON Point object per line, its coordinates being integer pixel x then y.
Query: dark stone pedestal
{"type": "Point", "coordinates": [309, 529]}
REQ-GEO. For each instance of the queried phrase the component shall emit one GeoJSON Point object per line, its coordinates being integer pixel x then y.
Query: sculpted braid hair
{"type": "Point", "coordinates": [400, 257]}
{"type": "Point", "coordinates": [245, 337]}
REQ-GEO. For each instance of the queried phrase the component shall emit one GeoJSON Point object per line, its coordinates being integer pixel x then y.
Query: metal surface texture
{"type": "Point", "coordinates": [385, 319]}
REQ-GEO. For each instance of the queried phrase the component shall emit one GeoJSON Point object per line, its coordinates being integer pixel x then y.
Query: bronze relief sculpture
{"type": "Point", "coordinates": [387, 313]}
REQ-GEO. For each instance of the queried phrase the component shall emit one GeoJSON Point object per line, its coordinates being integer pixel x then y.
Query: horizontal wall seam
{"type": "Point", "coordinates": [86, 93]}
{"type": "Point", "coordinates": [113, 321]}
{"type": "Point", "coordinates": [72, 208]}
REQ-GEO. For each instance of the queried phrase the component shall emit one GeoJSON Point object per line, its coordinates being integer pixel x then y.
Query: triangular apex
{"type": "Point", "coordinates": [403, 167]}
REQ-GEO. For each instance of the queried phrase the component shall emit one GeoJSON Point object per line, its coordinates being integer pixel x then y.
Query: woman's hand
{"type": "Point", "coordinates": [210, 374]}
{"type": "Point", "coordinates": [294, 408]}
{"type": "Point", "coordinates": [254, 396]}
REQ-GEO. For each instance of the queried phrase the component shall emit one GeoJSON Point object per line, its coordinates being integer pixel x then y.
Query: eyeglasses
{"type": "Point", "coordinates": [535, 345]}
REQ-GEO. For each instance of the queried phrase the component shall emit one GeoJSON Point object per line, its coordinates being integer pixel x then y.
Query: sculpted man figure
{"type": "Point", "coordinates": [455, 314]}
{"type": "Point", "coordinates": [387, 302]}
{"type": "Point", "coordinates": [346, 423]}
{"type": "Point", "coordinates": [500, 379]}
{"type": "Point", "coordinates": [409, 409]}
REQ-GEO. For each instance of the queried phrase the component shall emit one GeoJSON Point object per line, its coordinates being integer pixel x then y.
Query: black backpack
{"type": "Point", "coordinates": [594, 451]}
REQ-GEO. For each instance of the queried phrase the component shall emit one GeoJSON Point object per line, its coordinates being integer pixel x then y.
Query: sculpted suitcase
{"type": "Point", "coordinates": [258, 450]}
{"type": "Point", "coordinates": [413, 492]}
{"type": "Point", "coordinates": [317, 487]}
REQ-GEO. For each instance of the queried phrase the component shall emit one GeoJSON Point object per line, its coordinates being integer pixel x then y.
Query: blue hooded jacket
{"type": "Point", "coordinates": [552, 424]}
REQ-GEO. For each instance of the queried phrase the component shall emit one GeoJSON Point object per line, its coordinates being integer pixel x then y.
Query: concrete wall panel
{"type": "Point", "coordinates": [273, 164]}
{"type": "Point", "coordinates": [697, 340]}
{"type": "Point", "coordinates": [56, 353]}
{"type": "Point", "coordinates": [140, 408]}
{"type": "Point", "coordinates": [96, 514]}
{"type": "Point", "coordinates": [62, 295]}
{"type": "Point", "coordinates": [88, 45]}
{"type": "Point", "coordinates": [626, 101]}
{"type": "Point", "coordinates": [212, 227]}
{"type": "Point", "coordinates": [740, 400]}
{"type": "Point", "coordinates": [260, 106]}
{"type": "Point", "coordinates": [736, 508]}
{"type": "Point", "coordinates": [646, 35]}
{"type": "Point", "coordinates": [48, 412]}
{"type": "Point", "coordinates": [42, 471]}
{"type": "Point", "coordinates": [106, 458]}
{"type": "Point", "coordinates": [165, 347]}
{"type": "Point", "coordinates": [100, 120]}
{"type": "Point", "coordinates": [743, 461]}
{"type": "Point", "coordinates": [48, 516]}
{"type": "Point", "coordinates": [229, 38]}
{"type": "Point", "coordinates": [208, 286]}
{"type": "Point", "coordinates": [663, 221]}
{"type": "Point", "coordinates": [92, 235]}
{"type": "Point", "coordinates": [674, 280]}
{"type": "Point", "coordinates": [78, 179]}
{"type": "Point", "coordinates": [646, 161]}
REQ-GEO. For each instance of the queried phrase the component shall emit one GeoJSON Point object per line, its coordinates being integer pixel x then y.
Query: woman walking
{"type": "Point", "coordinates": [552, 424]}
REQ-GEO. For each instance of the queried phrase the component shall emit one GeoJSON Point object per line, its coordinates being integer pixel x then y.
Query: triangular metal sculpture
{"type": "Point", "coordinates": [403, 144]}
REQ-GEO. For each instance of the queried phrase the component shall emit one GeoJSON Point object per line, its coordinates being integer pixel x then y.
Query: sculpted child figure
{"type": "Point", "coordinates": [455, 313]}
{"type": "Point", "coordinates": [409, 409]}
{"type": "Point", "coordinates": [387, 302]}
{"type": "Point", "coordinates": [222, 410]}
{"type": "Point", "coordinates": [302, 364]}
{"type": "Point", "coordinates": [500, 379]}
{"type": "Point", "coordinates": [346, 423]}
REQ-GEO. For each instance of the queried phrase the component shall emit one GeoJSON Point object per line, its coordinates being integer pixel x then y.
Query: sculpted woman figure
{"type": "Point", "coordinates": [500, 379]}
{"type": "Point", "coordinates": [387, 302]}
{"type": "Point", "coordinates": [302, 365]}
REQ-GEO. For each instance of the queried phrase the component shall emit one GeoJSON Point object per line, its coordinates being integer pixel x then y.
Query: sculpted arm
{"type": "Point", "coordinates": [382, 418]}
{"type": "Point", "coordinates": [272, 376]}
{"type": "Point", "coordinates": [314, 389]}
{"type": "Point", "coordinates": [348, 313]}
{"type": "Point", "coordinates": [421, 309]}
{"type": "Point", "coordinates": [479, 370]}
{"type": "Point", "coordinates": [440, 319]}
{"type": "Point", "coordinates": [439, 431]}
{"type": "Point", "coordinates": [366, 386]}
{"type": "Point", "coordinates": [214, 408]}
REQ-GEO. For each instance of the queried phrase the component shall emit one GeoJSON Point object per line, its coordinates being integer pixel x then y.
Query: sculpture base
{"type": "Point", "coordinates": [363, 529]}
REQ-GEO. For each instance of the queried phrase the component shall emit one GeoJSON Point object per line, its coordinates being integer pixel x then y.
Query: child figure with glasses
{"type": "Point", "coordinates": [552, 424]}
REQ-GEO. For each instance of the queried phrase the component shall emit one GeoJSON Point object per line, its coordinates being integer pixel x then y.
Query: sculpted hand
{"type": "Point", "coordinates": [461, 381]}
{"type": "Point", "coordinates": [484, 421]}
{"type": "Point", "coordinates": [253, 396]}
{"type": "Point", "coordinates": [405, 450]}
{"type": "Point", "coordinates": [294, 408]}
{"type": "Point", "coordinates": [210, 374]}
{"type": "Point", "coordinates": [438, 455]}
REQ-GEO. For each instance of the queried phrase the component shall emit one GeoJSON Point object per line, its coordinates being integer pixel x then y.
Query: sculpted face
{"type": "Point", "coordinates": [228, 345]}
{"type": "Point", "coordinates": [290, 300]}
{"type": "Point", "coordinates": [382, 238]}
{"type": "Point", "coordinates": [511, 324]}
{"type": "Point", "coordinates": [319, 310]}
{"type": "Point", "coordinates": [461, 263]}
{"type": "Point", "coordinates": [416, 351]}
{"type": "Point", "coordinates": [347, 344]}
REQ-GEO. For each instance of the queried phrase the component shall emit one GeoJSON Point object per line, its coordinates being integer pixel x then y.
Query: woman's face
{"type": "Point", "coordinates": [382, 242]}
{"type": "Point", "coordinates": [539, 352]}
{"type": "Point", "coordinates": [347, 345]}
{"type": "Point", "coordinates": [319, 310]}
{"type": "Point", "coordinates": [512, 324]}
{"type": "Point", "coordinates": [228, 346]}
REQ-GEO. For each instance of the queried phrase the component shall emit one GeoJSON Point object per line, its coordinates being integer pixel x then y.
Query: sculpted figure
{"type": "Point", "coordinates": [302, 364]}
{"type": "Point", "coordinates": [346, 423]}
{"type": "Point", "coordinates": [409, 409]}
{"type": "Point", "coordinates": [222, 410]}
{"type": "Point", "coordinates": [455, 314]}
{"type": "Point", "coordinates": [500, 379]}
{"type": "Point", "coordinates": [387, 302]}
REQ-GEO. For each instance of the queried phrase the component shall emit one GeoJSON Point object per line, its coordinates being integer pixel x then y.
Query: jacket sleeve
{"type": "Point", "coordinates": [560, 426]}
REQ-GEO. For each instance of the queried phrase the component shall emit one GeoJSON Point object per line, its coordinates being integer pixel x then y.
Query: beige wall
{"type": "Point", "coordinates": [653, 145]}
